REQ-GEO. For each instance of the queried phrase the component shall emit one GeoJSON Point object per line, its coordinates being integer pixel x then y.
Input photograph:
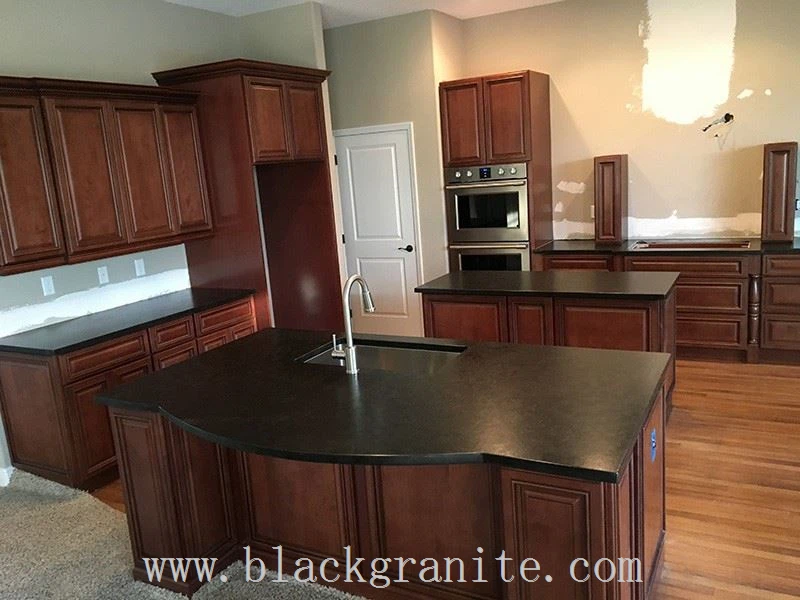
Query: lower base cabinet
{"type": "Point", "coordinates": [56, 430]}
{"type": "Point", "coordinates": [189, 497]}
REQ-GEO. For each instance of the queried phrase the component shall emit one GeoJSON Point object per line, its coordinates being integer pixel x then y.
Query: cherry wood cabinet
{"type": "Point", "coordinates": [30, 221]}
{"type": "Point", "coordinates": [507, 107]}
{"type": "Point", "coordinates": [143, 171]}
{"type": "Point", "coordinates": [55, 428]}
{"type": "Point", "coordinates": [584, 262]}
{"type": "Point", "coordinates": [780, 298]}
{"type": "Point", "coordinates": [285, 118]}
{"type": "Point", "coordinates": [611, 198]}
{"type": "Point", "coordinates": [470, 318]}
{"type": "Point", "coordinates": [187, 496]}
{"type": "Point", "coordinates": [272, 116]}
{"type": "Point", "coordinates": [116, 168]}
{"type": "Point", "coordinates": [81, 133]}
{"type": "Point", "coordinates": [463, 130]}
{"type": "Point", "coordinates": [530, 320]}
{"type": "Point", "coordinates": [185, 161]}
{"type": "Point", "coordinates": [495, 119]}
{"type": "Point", "coordinates": [779, 192]}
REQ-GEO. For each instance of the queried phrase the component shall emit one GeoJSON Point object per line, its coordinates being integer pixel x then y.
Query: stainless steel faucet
{"type": "Point", "coordinates": [349, 351]}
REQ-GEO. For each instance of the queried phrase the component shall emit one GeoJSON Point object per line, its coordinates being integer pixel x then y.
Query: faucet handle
{"type": "Point", "coordinates": [336, 351]}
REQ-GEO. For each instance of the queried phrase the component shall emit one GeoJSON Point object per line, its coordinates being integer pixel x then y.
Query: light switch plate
{"type": "Point", "coordinates": [592, 209]}
{"type": "Point", "coordinates": [102, 275]}
{"type": "Point", "coordinates": [138, 264]}
{"type": "Point", "coordinates": [48, 287]}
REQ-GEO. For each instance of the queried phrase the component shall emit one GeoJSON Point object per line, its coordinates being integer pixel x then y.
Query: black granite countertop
{"type": "Point", "coordinates": [84, 331]}
{"type": "Point", "coordinates": [575, 412]}
{"type": "Point", "coordinates": [628, 247]}
{"type": "Point", "coordinates": [554, 283]}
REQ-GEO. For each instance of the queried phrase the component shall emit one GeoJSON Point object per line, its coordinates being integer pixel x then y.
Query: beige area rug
{"type": "Point", "coordinates": [61, 543]}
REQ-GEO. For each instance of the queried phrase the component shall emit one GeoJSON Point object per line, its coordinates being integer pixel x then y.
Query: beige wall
{"type": "Point", "coordinates": [595, 55]}
{"type": "Point", "coordinates": [289, 35]}
{"type": "Point", "coordinates": [383, 72]}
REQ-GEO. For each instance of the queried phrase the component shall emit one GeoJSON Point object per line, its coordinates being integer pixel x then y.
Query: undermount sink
{"type": "Point", "coordinates": [399, 357]}
{"type": "Point", "coordinates": [691, 244]}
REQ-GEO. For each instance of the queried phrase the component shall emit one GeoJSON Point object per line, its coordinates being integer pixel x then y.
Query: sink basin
{"type": "Point", "coordinates": [691, 244]}
{"type": "Point", "coordinates": [394, 356]}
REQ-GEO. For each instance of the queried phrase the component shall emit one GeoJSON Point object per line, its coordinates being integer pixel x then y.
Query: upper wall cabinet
{"type": "Point", "coordinates": [779, 193]}
{"type": "Point", "coordinates": [463, 133]}
{"type": "Point", "coordinates": [30, 223]}
{"type": "Point", "coordinates": [493, 119]}
{"type": "Point", "coordinates": [285, 119]}
{"type": "Point", "coordinates": [120, 171]}
{"type": "Point", "coordinates": [81, 134]}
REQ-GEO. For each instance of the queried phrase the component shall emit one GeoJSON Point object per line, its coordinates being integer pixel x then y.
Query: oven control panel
{"type": "Point", "coordinates": [483, 173]}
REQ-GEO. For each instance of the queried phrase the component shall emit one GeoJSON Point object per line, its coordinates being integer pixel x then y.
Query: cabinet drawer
{"type": "Point", "coordinates": [224, 316]}
{"type": "Point", "coordinates": [704, 331]}
{"type": "Point", "coordinates": [242, 330]}
{"type": "Point", "coordinates": [585, 262]}
{"type": "Point", "coordinates": [782, 266]}
{"type": "Point", "coordinates": [724, 296]}
{"type": "Point", "coordinates": [213, 340]}
{"type": "Point", "coordinates": [104, 356]}
{"type": "Point", "coordinates": [781, 332]}
{"type": "Point", "coordinates": [782, 295]}
{"type": "Point", "coordinates": [172, 333]}
{"type": "Point", "coordinates": [173, 356]}
{"type": "Point", "coordinates": [715, 267]}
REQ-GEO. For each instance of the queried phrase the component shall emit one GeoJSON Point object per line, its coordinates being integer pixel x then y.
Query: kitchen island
{"type": "Point", "coordinates": [549, 453]}
{"type": "Point", "coordinates": [588, 309]}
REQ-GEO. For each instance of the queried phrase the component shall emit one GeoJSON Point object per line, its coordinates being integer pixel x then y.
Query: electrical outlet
{"type": "Point", "coordinates": [592, 210]}
{"type": "Point", "coordinates": [102, 275]}
{"type": "Point", "coordinates": [138, 264]}
{"type": "Point", "coordinates": [48, 288]}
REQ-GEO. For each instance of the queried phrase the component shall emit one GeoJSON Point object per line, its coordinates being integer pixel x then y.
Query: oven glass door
{"type": "Point", "coordinates": [489, 258]}
{"type": "Point", "coordinates": [486, 213]}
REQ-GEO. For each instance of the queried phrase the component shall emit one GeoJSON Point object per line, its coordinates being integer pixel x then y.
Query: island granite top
{"type": "Point", "coordinates": [554, 283]}
{"type": "Point", "coordinates": [574, 412]}
{"type": "Point", "coordinates": [74, 334]}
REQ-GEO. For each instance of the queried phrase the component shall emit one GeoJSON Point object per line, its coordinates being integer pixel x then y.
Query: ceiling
{"type": "Point", "coordinates": [336, 13]}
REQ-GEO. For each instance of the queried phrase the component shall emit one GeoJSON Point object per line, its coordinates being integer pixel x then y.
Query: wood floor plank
{"type": "Point", "coordinates": [733, 484]}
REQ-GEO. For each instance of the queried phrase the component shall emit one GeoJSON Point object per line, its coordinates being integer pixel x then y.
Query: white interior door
{"type": "Point", "coordinates": [376, 181]}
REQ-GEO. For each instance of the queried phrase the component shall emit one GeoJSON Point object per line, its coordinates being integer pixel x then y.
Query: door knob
{"type": "Point", "coordinates": [408, 248]}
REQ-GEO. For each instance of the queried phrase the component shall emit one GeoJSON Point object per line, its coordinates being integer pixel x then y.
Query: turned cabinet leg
{"type": "Point", "coordinates": [754, 318]}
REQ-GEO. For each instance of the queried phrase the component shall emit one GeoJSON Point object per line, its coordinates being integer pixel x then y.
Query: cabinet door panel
{"type": "Point", "coordinates": [30, 224]}
{"type": "Point", "coordinates": [95, 443]}
{"type": "Point", "coordinates": [611, 198]}
{"type": "Point", "coordinates": [507, 110]}
{"type": "Point", "coordinates": [81, 137]}
{"type": "Point", "coordinates": [782, 295]}
{"type": "Point", "coordinates": [712, 331]}
{"type": "Point", "coordinates": [605, 324]}
{"type": "Point", "coordinates": [173, 356]}
{"type": "Point", "coordinates": [530, 321]}
{"type": "Point", "coordinates": [781, 332]}
{"type": "Point", "coordinates": [709, 295]}
{"type": "Point", "coordinates": [470, 318]}
{"type": "Point", "coordinates": [302, 505]}
{"type": "Point", "coordinates": [462, 122]}
{"type": "Point", "coordinates": [307, 124]}
{"type": "Point", "coordinates": [143, 168]}
{"type": "Point", "coordinates": [213, 340]}
{"type": "Point", "coordinates": [653, 486]}
{"type": "Point", "coordinates": [779, 192]}
{"type": "Point", "coordinates": [421, 508]}
{"type": "Point", "coordinates": [187, 173]}
{"type": "Point", "coordinates": [267, 117]}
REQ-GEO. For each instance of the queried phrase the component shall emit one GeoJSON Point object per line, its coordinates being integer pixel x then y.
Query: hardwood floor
{"type": "Point", "coordinates": [733, 484]}
{"type": "Point", "coordinates": [111, 494]}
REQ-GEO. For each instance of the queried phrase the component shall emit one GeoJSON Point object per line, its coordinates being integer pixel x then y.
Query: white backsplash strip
{"type": "Point", "coordinates": [86, 302]}
{"type": "Point", "coordinates": [742, 225]}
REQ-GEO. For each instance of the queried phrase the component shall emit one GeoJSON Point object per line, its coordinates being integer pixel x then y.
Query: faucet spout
{"type": "Point", "coordinates": [351, 365]}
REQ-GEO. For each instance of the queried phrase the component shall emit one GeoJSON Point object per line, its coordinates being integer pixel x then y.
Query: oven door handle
{"type": "Point", "coordinates": [492, 184]}
{"type": "Point", "coordinates": [489, 247]}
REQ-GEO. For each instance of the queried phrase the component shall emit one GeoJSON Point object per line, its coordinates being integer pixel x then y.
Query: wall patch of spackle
{"type": "Point", "coordinates": [690, 58]}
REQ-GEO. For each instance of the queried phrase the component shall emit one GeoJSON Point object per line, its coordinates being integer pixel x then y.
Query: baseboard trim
{"type": "Point", "coordinates": [5, 476]}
